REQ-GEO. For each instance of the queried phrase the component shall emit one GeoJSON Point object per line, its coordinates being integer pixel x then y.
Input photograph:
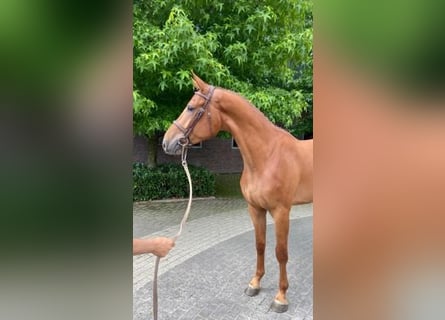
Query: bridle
{"type": "Point", "coordinates": [185, 141]}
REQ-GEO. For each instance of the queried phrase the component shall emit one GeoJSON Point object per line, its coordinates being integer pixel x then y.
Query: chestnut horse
{"type": "Point", "coordinates": [277, 169]}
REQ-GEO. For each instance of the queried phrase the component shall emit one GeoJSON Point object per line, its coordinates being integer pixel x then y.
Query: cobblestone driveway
{"type": "Point", "coordinates": [205, 275]}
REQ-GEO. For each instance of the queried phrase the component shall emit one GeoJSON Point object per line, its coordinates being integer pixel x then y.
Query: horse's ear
{"type": "Point", "coordinates": [195, 84]}
{"type": "Point", "coordinates": [198, 83]}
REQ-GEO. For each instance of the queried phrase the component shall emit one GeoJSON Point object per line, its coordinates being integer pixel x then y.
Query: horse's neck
{"type": "Point", "coordinates": [253, 132]}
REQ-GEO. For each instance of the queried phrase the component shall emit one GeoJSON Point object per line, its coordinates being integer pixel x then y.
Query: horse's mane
{"type": "Point", "coordinates": [251, 106]}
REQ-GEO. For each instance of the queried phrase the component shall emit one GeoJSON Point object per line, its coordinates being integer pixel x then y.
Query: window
{"type": "Point", "coordinates": [197, 145]}
{"type": "Point", "coordinates": [234, 144]}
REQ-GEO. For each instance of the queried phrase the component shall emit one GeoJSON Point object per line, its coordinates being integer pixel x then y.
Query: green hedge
{"type": "Point", "coordinates": [169, 181]}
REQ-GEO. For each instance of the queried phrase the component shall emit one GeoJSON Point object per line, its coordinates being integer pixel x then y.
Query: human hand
{"type": "Point", "coordinates": [159, 246]}
{"type": "Point", "coordinates": [162, 246]}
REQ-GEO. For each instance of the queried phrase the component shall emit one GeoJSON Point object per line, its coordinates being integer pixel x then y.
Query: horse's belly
{"type": "Point", "coordinates": [303, 193]}
{"type": "Point", "coordinates": [302, 198]}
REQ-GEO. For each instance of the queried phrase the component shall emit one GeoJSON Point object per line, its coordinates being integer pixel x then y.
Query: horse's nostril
{"type": "Point", "coordinates": [164, 145]}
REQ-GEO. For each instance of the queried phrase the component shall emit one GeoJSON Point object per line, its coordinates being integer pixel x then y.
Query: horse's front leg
{"type": "Point", "coordinates": [281, 217]}
{"type": "Point", "coordinates": [258, 216]}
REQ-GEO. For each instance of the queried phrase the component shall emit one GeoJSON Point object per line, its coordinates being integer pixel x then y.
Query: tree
{"type": "Point", "coordinates": [261, 49]}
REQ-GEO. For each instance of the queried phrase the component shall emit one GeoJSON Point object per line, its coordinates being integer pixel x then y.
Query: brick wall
{"type": "Point", "coordinates": [140, 150]}
{"type": "Point", "coordinates": [216, 154]}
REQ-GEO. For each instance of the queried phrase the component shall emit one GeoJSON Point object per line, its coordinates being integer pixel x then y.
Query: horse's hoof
{"type": "Point", "coordinates": [278, 306]}
{"type": "Point", "coordinates": [252, 291]}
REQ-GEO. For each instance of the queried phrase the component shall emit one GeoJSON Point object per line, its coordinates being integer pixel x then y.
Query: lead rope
{"type": "Point", "coordinates": [184, 219]}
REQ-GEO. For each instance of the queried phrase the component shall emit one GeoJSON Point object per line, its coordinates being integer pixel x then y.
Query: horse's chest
{"type": "Point", "coordinates": [254, 190]}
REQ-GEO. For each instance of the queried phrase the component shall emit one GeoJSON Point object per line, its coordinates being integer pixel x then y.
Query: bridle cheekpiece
{"type": "Point", "coordinates": [185, 141]}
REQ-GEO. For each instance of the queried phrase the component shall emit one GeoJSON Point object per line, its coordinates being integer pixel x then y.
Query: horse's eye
{"type": "Point", "coordinates": [190, 108]}
{"type": "Point", "coordinates": [195, 89]}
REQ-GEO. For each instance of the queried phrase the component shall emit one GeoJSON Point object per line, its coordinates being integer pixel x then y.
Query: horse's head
{"type": "Point", "coordinates": [199, 121]}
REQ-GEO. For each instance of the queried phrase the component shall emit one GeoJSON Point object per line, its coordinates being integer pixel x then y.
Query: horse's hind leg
{"type": "Point", "coordinates": [281, 217]}
{"type": "Point", "coordinates": [258, 217]}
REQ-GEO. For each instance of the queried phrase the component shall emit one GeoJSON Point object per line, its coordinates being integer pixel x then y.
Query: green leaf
{"type": "Point", "coordinates": [162, 85]}
{"type": "Point", "coordinates": [250, 28]}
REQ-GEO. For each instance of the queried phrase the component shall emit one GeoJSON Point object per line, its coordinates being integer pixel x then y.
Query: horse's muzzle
{"type": "Point", "coordinates": [171, 147]}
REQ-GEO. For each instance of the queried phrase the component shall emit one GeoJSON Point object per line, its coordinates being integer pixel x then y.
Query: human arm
{"type": "Point", "coordinates": [159, 246]}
